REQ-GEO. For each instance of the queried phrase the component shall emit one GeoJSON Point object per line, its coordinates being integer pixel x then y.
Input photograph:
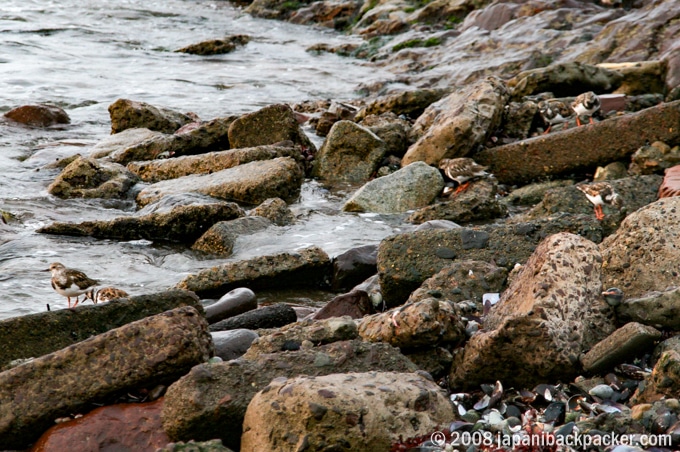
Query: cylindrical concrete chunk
{"type": "Point", "coordinates": [233, 303]}
{"type": "Point", "coordinates": [233, 343]}
{"type": "Point", "coordinates": [273, 316]}
{"type": "Point", "coordinates": [156, 349]}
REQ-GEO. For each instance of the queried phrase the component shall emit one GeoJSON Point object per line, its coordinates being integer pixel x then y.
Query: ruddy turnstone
{"type": "Point", "coordinates": [69, 282]}
{"type": "Point", "coordinates": [107, 294]}
{"type": "Point", "coordinates": [585, 104]}
{"type": "Point", "coordinates": [613, 296]}
{"type": "Point", "coordinates": [554, 111]}
{"type": "Point", "coordinates": [462, 170]}
{"type": "Point", "coordinates": [600, 193]}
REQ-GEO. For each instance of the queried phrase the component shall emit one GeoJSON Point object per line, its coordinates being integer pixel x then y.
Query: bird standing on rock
{"type": "Point", "coordinates": [600, 193]}
{"type": "Point", "coordinates": [554, 111]}
{"type": "Point", "coordinates": [69, 282]}
{"type": "Point", "coordinates": [462, 170]}
{"type": "Point", "coordinates": [586, 104]}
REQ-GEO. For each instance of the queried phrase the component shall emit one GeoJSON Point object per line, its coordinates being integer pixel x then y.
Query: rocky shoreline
{"type": "Point", "coordinates": [486, 328]}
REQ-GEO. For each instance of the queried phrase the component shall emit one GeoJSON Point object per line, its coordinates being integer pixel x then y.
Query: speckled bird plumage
{"type": "Point", "coordinates": [462, 169]}
{"type": "Point", "coordinates": [600, 193]}
{"type": "Point", "coordinates": [106, 294]}
{"type": "Point", "coordinates": [554, 111]}
{"type": "Point", "coordinates": [586, 104]}
{"type": "Point", "coordinates": [69, 282]}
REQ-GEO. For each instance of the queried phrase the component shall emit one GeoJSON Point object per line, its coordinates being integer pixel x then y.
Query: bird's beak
{"type": "Point", "coordinates": [608, 292]}
{"type": "Point", "coordinates": [46, 270]}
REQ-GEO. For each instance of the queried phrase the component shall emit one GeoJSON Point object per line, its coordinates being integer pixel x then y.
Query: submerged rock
{"type": "Point", "coordinates": [219, 240]}
{"type": "Point", "coordinates": [216, 46]}
{"type": "Point", "coordinates": [40, 115]}
{"type": "Point", "coordinates": [413, 186]}
{"type": "Point", "coordinates": [357, 411]}
{"type": "Point", "coordinates": [275, 210]}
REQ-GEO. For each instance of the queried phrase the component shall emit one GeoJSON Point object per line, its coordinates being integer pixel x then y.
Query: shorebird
{"type": "Point", "coordinates": [600, 193]}
{"type": "Point", "coordinates": [613, 296]}
{"type": "Point", "coordinates": [107, 294]}
{"type": "Point", "coordinates": [585, 104]}
{"type": "Point", "coordinates": [69, 282]}
{"type": "Point", "coordinates": [554, 111]}
{"type": "Point", "coordinates": [462, 170]}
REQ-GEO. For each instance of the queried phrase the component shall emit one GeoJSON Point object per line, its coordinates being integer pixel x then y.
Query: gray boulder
{"type": "Point", "coordinates": [660, 309]}
{"type": "Point", "coordinates": [413, 186]}
{"type": "Point", "coordinates": [250, 183]}
{"type": "Point", "coordinates": [154, 350]}
{"type": "Point", "coordinates": [233, 343]}
{"type": "Point", "coordinates": [350, 153]}
{"type": "Point", "coordinates": [232, 303]}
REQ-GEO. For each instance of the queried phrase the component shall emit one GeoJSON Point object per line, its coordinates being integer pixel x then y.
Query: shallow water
{"type": "Point", "coordinates": [82, 56]}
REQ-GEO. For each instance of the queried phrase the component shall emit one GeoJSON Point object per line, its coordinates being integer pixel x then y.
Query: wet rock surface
{"type": "Point", "coordinates": [250, 183]}
{"type": "Point", "coordinates": [211, 400]}
{"type": "Point", "coordinates": [273, 316]}
{"type": "Point", "coordinates": [167, 346]}
{"type": "Point", "coordinates": [275, 210]}
{"type": "Point", "coordinates": [232, 303]}
{"type": "Point", "coordinates": [220, 239]}
{"type": "Point", "coordinates": [40, 115]}
{"type": "Point", "coordinates": [216, 46]}
{"type": "Point", "coordinates": [269, 125]}
{"type": "Point", "coordinates": [329, 409]}
{"type": "Point", "coordinates": [182, 223]}
{"type": "Point", "coordinates": [89, 178]}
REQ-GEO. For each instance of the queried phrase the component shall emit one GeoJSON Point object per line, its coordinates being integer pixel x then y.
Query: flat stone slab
{"type": "Point", "coordinates": [152, 350]}
{"type": "Point", "coordinates": [624, 343]}
{"type": "Point", "coordinates": [310, 267]}
{"type": "Point", "coordinates": [588, 146]}
{"type": "Point", "coordinates": [658, 309]}
{"type": "Point", "coordinates": [35, 335]}
{"type": "Point", "coordinates": [250, 183]}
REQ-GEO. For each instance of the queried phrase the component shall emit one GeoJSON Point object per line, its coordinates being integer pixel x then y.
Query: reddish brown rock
{"type": "Point", "coordinates": [125, 427]}
{"type": "Point", "coordinates": [671, 183]}
{"type": "Point", "coordinates": [130, 114]}
{"type": "Point", "coordinates": [355, 304]}
{"type": "Point", "coordinates": [589, 146]}
{"type": "Point", "coordinates": [38, 115]}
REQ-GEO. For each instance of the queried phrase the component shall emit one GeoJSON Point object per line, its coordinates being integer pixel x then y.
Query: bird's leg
{"type": "Point", "coordinates": [548, 129]}
{"type": "Point", "coordinates": [76, 303]}
{"type": "Point", "coordinates": [599, 214]}
{"type": "Point", "coordinates": [462, 187]}
{"type": "Point", "coordinates": [578, 121]}
{"type": "Point", "coordinates": [591, 120]}
{"type": "Point", "coordinates": [565, 125]}
{"type": "Point", "coordinates": [69, 302]}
